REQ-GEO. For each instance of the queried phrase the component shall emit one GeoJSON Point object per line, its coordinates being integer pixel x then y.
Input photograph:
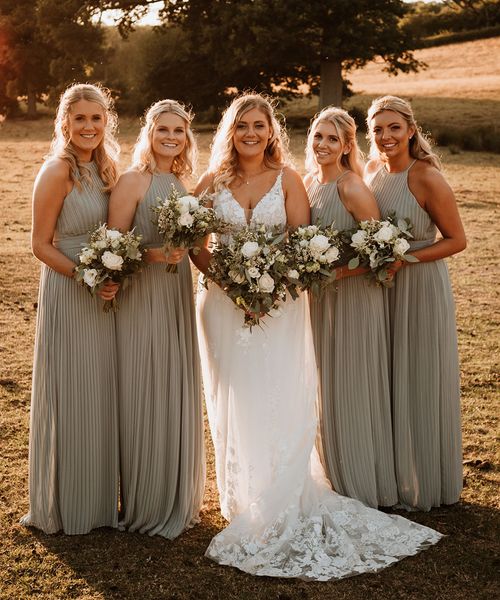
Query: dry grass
{"type": "Point", "coordinates": [107, 564]}
{"type": "Point", "coordinates": [460, 87]}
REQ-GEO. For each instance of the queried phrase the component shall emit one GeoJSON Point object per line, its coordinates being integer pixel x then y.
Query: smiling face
{"type": "Point", "coordinates": [168, 136]}
{"type": "Point", "coordinates": [252, 133]}
{"type": "Point", "coordinates": [327, 145]}
{"type": "Point", "coordinates": [86, 123]}
{"type": "Point", "coordinates": [391, 134]}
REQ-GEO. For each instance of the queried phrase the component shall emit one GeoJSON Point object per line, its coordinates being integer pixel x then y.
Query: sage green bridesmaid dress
{"type": "Point", "coordinates": [350, 337]}
{"type": "Point", "coordinates": [73, 454]}
{"type": "Point", "coordinates": [425, 370]}
{"type": "Point", "coordinates": [160, 397]}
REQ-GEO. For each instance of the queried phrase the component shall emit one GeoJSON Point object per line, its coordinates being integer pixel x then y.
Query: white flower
{"type": "Point", "coordinates": [293, 274]}
{"type": "Point", "coordinates": [87, 256]}
{"type": "Point", "coordinates": [100, 244]}
{"type": "Point", "coordinates": [254, 272]}
{"type": "Point", "coordinates": [358, 239]}
{"type": "Point", "coordinates": [318, 244]}
{"type": "Point", "coordinates": [187, 203]}
{"type": "Point", "coordinates": [90, 276]}
{"type": "Point", "coordinates": [384, 234]}
{"type": "Point", "coordinates": [332, 254]}
{"type": "Point", "coordinates": [266, 283]}
{"type": "Point", "coordinates": [400, 246]}
{"type": "Point", "coordinates": [186, 220]}
{"type": "Point", "coordinates": [112, 261]}
{"type": "Point", "coordinates": [373, 260]}
{"type": "Point", "coordinates": [113, 234]}
{"type": "Point", "coordinates": [250, 249]}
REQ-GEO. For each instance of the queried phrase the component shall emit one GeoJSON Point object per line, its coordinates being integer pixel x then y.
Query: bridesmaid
{"type": "Point", "coordinates": [404, 176]}
{"type": "Point", "coordinates": [349, 328]}
{"type": "Point", "coordinates": [73, 456]}
{"type": "Point", "coordinates": [161, 425]}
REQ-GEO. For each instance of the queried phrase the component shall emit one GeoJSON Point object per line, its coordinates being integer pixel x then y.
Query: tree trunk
{"type": "Point", "coordinates": [330, 90]}
{"type": "Point", "coordinates": [31, 114]}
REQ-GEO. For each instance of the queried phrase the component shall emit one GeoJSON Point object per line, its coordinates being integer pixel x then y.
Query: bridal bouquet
{"type": "Point", "coordinates": [378, 244]}
{"type": "Point", "coordinates": [183, 221]}
{"type": "Point", "coordinates": [252, 270]}
{"type": "Point", "coordinates": [109, 254]}
{"type": "Point", "coordinates": [313, 251]}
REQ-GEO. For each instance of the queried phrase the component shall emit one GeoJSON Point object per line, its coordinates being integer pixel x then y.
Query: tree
{"type": "Point", "coordinates": [286, 43]}
{"type": "Point", "coordinates": [24, 54]}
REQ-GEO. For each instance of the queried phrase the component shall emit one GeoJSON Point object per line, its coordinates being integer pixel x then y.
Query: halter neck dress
{"type": "Point", "coordinates": [425, 370]}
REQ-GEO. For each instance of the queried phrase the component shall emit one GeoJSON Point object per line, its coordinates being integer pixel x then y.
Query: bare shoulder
{"type": "Point", "coordinates": [308, 179]}
{"type": "Point", "coordinates": [54, 168]}
{"type": "Point", "coordinates": [290, 176]}
{"type": "Point", "coordinates": [351, 183]}
{"type": "Point", "coordinates": [426, 176]}
{"type": "Point", "coordinates": [205, 183]}
{"type": "Point", "coordinates": [372, 166]}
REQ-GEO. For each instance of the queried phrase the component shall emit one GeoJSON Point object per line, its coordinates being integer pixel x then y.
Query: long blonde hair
{"type": "Point", "coordinates": [224, 158]}
{"type": "Point", "coordinates": [106, 153]}
{"type": "Point", "coordinates": [420, 146]}
{"type": "Point", "coordinates": [143, 157]}
{"type": "Point", "coordinates": [346, 130]}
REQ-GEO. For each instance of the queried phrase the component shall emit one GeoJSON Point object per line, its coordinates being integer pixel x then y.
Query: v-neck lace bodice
{"type": "Point", "coordinates": [269, 211]}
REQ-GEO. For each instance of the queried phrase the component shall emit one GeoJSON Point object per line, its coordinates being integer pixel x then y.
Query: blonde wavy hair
{"type": "Point", "coordinates": [143, 157]}
{"type": "Point", "coordinates": [224, 157]}
{"type": "Point", "coordinates": [346, 130]}
{"type": "Point", "coordinates": [106, 154]}
{"type": "Point", "coordinates": [420, 146]}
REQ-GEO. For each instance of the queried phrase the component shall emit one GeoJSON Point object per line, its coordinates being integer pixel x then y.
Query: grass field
{"type": "Point", "coordinates": [460, 87]}
{"type": "Point", "coordinates": [107, 564]}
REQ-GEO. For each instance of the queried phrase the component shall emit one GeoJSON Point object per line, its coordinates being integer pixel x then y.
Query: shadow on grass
{"type": "Point", "coordinates": [116, 565]}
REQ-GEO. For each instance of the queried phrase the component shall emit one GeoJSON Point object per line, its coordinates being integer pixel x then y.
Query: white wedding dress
{"type": "Point", "coordinates": [260, 389]}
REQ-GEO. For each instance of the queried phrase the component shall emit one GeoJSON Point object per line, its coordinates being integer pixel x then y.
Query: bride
{"type": "Point", "coordinates": [260, 388]}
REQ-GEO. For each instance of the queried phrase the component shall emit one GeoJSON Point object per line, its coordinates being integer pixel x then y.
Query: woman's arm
{"type": "Point", "coordinates": [436, 197]}
{"type": "Point", "coordinates": [52, 185]}
{"type": "Point", "coordinates": [297, 207]}
{"type": "Point", "coordinates": [359, 201]}
{"type": "Point", "coordinates": [202, 259]}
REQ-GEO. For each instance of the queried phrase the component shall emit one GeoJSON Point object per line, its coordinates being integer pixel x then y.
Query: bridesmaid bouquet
{"type": "Point", "coordinates": [109, 254]}
{"type": "Point", "coordinates": [378, 244]}
{"type": "Point", "coordinates": [313, 252]}
{"type": "Point", "coordinates": [252, 269]}
{"type": "Point", "coordinates": [183, 221]}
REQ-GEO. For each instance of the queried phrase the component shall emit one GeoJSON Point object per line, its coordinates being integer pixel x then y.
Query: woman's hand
{"type": "Point", "coordinates": [108, 290]}
{"type": "Point", "coordinates": [175, 255]}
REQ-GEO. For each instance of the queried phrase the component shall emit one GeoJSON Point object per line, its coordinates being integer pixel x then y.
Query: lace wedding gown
{"type": "Point", "coordinates": [260, 388]}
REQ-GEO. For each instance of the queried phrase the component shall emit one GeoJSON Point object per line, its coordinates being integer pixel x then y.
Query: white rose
{"type": "Point", "coordinates": [332, 254]}
{"type": "Point", "coordinates": [250, 249]}
{"type": "Point", "coordinates": [236, 276]}
{"type": "Point", "coordinates": [193, 202]}
{"type": "Point", "coordinates": [401, 246]}
{"type": "Point", "coordinates": [293, 274]}
{"type": "Point", "coordinates": [384, 234]}
{"type": "Point", "coordinates": [254, 272]}
{"type": "Point", "coordinates": [113, 234]}
{"type": "Point", "coordinates": [183, 204]}
{"type": "Point", "coordinates": [90, 276]}
{"type": "Point", "coordinates": [358, 239]}
{"type": "Point", "coordinates": [318, 244]}
{"type": "Point", "coordinates": [87, 256]}
{"type": "Point", "coordinates": [112, 261]}
{"type": "Point", "coordinates": [100, 244]}
{"type": "Point", "coordinates": [266, 283]}
{"type": "Point", "coordinates": [186, 220]}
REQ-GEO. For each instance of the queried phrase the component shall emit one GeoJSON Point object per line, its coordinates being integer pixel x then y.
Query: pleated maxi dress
{"type": "Point", "coordinates": [352, 352]}
{"type": "Point", "coordinates": [425, 369]}
{"type": "Point", "coordinates": [73, 453]}
{"type": "Point", "coordinates": [160, 398]}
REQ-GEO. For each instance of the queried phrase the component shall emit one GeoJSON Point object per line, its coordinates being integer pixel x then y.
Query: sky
{"type": "Point", "coordinates": [151, 18]}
